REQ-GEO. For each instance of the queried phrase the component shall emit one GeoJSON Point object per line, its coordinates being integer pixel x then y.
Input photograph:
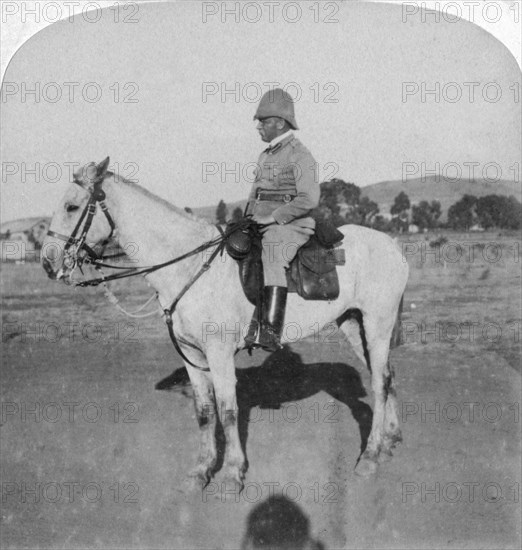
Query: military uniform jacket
{"type": "Point", "coordinates": [286, 174]}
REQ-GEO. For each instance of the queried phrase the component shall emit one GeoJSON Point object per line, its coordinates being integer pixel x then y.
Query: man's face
{"type": "Point", "coordinates": [270, 128]}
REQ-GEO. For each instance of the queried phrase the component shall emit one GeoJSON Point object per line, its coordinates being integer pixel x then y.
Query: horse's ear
{"type": "Point", "coordinates": [85, 175]}
{"type": "Point", "coordinates": [101, 168]}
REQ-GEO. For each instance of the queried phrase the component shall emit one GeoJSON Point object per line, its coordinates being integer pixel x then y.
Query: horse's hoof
{"type": "Point", "coordinates": [396, 438]}
{"type": "Point", "coordinates": [366, 467]}
{"type": "Point", "coordinates": [231, 488]}
{"type": "Point", "coordinates": [385, 455]}
{"type": "Point", "coordinates": [199, 477]}
{"type": "Point", "coordinates": [391, 440]}
{"type": "Point", "coordinates": [233, 479]}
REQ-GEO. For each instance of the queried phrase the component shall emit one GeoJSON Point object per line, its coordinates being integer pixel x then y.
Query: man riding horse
{"type": "Point", "coordinates": [284, 192]}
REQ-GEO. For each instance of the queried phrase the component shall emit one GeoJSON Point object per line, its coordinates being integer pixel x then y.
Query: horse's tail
{"type": "Point", "coordinates": [396, 337]}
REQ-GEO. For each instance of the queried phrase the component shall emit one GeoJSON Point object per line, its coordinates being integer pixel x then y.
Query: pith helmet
{"type": "Point", "coordinates": [278, 103]}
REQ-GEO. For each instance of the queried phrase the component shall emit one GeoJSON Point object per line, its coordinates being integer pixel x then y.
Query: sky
{"type": "Point", "coordinates": [169, 94]}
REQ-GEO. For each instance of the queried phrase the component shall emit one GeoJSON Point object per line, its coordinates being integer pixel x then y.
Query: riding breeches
{"type": "Point", "coordinates": [280, 245]}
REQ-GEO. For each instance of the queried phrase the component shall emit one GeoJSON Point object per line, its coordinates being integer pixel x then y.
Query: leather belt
{"type": "Point", "coordinates": [278, 197]}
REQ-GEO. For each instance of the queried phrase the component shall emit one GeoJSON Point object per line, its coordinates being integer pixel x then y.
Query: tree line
{"type": "Point", "coordinates": [342, 203]}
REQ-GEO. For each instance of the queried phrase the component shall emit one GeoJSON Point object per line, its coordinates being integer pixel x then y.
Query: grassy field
{"type": "Point", "coordinates": [465, 290]}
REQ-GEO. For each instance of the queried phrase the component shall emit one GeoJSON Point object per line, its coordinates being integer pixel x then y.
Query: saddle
{"type": "Point", "coordinates": [312, 273]}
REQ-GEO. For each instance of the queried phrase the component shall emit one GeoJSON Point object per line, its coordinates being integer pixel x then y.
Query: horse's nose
{"type": "Point", "coordinates": [48, 268]}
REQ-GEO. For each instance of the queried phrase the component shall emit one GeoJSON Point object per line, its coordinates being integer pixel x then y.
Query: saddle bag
{"type": "Point", "coordinates": [314, 273]}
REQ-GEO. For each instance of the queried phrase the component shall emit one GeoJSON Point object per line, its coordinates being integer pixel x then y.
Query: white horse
{"type": "Point", "coordinates": [210, 318]}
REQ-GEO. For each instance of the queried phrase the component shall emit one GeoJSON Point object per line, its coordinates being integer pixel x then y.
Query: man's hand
{"type": "Point", "coordinates": [264, 220]}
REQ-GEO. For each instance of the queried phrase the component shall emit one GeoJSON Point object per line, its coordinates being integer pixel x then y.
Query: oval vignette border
{"type": "Point", "coordinates": [506, 31]}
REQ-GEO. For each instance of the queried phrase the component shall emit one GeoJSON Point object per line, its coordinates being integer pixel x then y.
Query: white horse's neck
{"type": "Point", "coordinates": [150, 228]}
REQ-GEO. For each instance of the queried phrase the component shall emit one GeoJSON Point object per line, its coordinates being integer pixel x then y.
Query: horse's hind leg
{"type": "Point", "coordinates": [207, 417]}
{"type": "Point", "coordinates": [378, 343]}
{"type": "Point", "coordinates": [392, 433]}
{"type": "Point", "coordinates": [351, 326]}
{"type": "Point", "coordinates": [392, 430]}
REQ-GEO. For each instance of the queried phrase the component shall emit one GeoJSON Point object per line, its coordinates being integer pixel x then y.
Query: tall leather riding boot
{"type": "Point", "coordinates": [252, 339]}
{"type": "Point", "coordinates": [268, 336]}
{"type": "Point", "coordinates": [274, 298]}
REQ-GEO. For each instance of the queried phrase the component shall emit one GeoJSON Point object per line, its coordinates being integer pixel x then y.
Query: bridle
{"type": "Point", "coordinates": [74, 244]}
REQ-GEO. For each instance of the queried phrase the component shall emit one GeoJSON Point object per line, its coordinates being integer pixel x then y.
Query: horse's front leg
{"type": "Point", "coordinates": [221, 363]}
{"type": "Point", "coordinates": [207, 418]}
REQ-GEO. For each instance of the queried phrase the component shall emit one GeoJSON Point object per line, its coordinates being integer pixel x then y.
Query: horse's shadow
{"type": "Point", "coordinates": [284, 378]}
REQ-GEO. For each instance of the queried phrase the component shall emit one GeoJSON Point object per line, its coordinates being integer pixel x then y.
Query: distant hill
{"type": "Point", "coordinates": [383, 193]}
{"type": "Point", "coordinates": [444, 191]}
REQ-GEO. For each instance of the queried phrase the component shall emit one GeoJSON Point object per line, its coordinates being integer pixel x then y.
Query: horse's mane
{"type": "Point", "coordinates": [149, 194]}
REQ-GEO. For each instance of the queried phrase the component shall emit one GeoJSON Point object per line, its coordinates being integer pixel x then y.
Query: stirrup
{"type": "Point", "coordinates": [266, 338]}
{"type": "Point", "coordinates": [252, 339]}
{"type": "Point", "coordinates": [266, 326]}
{"type": "Point", "coordinates": [270, 340]}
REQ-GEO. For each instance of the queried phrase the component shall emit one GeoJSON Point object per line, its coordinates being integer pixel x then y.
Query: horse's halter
{"type": "Point", "coordinates": [74, 244]}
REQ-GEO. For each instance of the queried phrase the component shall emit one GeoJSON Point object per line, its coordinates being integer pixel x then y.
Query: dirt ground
{"type": "Point", "coordinates": [98, 433]}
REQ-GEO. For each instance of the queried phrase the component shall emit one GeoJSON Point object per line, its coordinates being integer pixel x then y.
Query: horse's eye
{"type": "Point", "coordinates": [71, 208]}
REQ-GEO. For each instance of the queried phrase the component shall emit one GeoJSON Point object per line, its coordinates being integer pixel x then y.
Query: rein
{"type": "Point", "coordinates": [132, 272]}
{"type": "Point", "coordinates": [98, 196]}
{"type": "Point", "coordinates": [219, 241]}
{"type": "Point", "coordinates": [168, 312]}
